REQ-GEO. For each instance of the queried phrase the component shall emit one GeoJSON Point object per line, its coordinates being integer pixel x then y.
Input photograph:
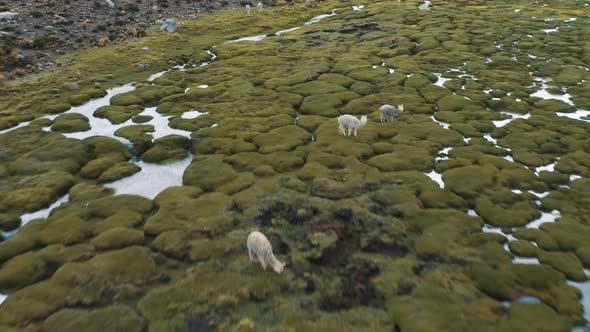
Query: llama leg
{"type": "Point", "coordinates": [341, 130]}
{"type": "Point", "coordinates": [262, 262]}
{"type": "Point", "coordinates": [355, 132]}
{"type": "Point", "coordinates": [381, 119]}
{"type": "Point", "coordinates": [349, 130]}
{"type": "Point", "coordinates": [250, 254]}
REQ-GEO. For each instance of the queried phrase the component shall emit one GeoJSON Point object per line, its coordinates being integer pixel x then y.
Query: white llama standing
{"type": "Point", "coordinates": [248, 10]}
{"type": "Point", "coordinates": [388, 112]}
{"type": "Point", "coordinates": [259, 245]}
{"type": "Point", "coordinates": [259, 6]}
{"type": "Point", "coordinates": [351, 123]}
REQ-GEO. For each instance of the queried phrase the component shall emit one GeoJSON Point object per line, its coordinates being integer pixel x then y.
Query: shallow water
{"type": "Point", "coordinates": [441, 123]}
{"type": "Point", "coordinates": [282, 32]}
{"type": "Point", "coordinates": [425, 5]}
{"type": "Point", "coordinates": [502, 123]}
{"type": "Point", "coordinates": [578, 115]}
{"type": "Point", "coordinates": [522, 299]}
{"type": "Point", "coordinates": [441, 80]}
{"type": "Point", "coordinates": [41, 214]}
{"type": "Point", "coordinates": [251, 38]}
{"type": "Point", "coordinates": [2, 298]}
{"type": "Point", "coordinates": [548, 168]}
{"type": "Point", "coordinates": [320, 17]}
{"type": "Point", "coordinates": [525, 260]}
{"type": "Point", "coordinates": [192, 114]}
{"type": "Point", "coordinates": [159, 177]}
{"type": "Point", "coordinates": [358, 8]}
{"type": "Point", "coordinates": [545, 217]}
{"type": "Point", "coordinates": [436, 177]}
{"type": "Point", "coordinates": [544, 94]}
{"type": "Point", "coordinates": [160, 123]}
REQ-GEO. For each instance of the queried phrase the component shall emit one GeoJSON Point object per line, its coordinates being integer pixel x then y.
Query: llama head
{"type": "Point", "coordinates": [279, 266]}
{"type": "Point", "coordinates": [400, 107]}
{"type": "Point", "coordinates": [363, 120]}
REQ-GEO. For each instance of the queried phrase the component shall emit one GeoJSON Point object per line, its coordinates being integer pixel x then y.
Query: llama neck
{"type": "Point", "coordinates": [363, 122]}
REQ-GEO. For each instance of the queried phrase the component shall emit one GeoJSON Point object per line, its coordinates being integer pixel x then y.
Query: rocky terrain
{"type": "Point", "coordinates": [127, 192]}
{"type": "Point", "coordinates": [34, 33]}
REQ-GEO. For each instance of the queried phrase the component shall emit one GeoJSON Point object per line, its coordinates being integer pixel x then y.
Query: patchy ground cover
{"type": "Point", "coordinates": [467, 213]}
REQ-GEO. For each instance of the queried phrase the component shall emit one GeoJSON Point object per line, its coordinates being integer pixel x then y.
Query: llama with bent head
{"type": "Point", "coordinates": [350, 123]}
{"type": "Point", "coordinates": [388, 112]}
{"type": "Point", "coordinates": [259, 245]}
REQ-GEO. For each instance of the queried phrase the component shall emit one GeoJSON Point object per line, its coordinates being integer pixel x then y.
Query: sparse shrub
{"type": "Point", "coordinates": [27, 42]}
{"type": "Point", "coordinates": [36, 13]}
{"type": "Point", "coordinates": [20, 72]}
{"type": "Point", "coordinates": [103, 41]}
{"type": "Point", "coordinates": [84, 25]}
{"type": "Point", "coordinates": [2, 80]}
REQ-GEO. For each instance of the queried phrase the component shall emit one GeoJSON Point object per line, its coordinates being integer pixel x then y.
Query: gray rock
{"type": "Point", "coordinates": [145, 49]}
{"type": "Point", "coordinates": [169, 25]}
{"type": "Point", "coordinates": [143, 66]}
{"type": "Point", "coordinates": [8, 15]}
{"type": "Point", "coordinates": [110, 3]}
{"type": "Point", "coordinates": [159, 22]}
{"type": "Point", "coordinates": [72, 86]}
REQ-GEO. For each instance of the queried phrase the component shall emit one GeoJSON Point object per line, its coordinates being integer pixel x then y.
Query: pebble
{"type": "Point", "coordinates": [73, 86]}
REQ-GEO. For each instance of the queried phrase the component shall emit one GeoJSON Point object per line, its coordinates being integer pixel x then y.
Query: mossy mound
{"type": "Point", "coordinates": [118, 114]}
{"type": "Point", "coordinates": [168, 148]}
{"type": "Point", "coordinates": [403, 158]}
{"type": "Point", "coordinates": [206, 213]}
{"type": "Point", "coordinates": [70, 123]}
{"type": "Point", "coordinates": [281, 139]}
{"type": "Point", "coordinates": [116, 318]}
{"type": "Point", "coordinates": [469, 181]}
{"type": "Point", "coordinates": [117, 237]}
{"type": "Point", "coordinates": [208, 173]}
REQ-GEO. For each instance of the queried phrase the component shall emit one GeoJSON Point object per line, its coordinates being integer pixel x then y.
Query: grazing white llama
{"type": "Point", "coordinates": [259, 6]}
{"type": "Point", "coordinates": [350, 123]}
{"type": "Point", "coordinates": [388, 112]}
{"type": "Point", "coordinates": [248, 10]}
{"type": "Point", "coordinates": [259, 245]}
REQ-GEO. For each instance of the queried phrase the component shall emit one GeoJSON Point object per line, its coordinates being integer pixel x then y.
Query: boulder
{"type": "Point", "coordinates": [169, 25]}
